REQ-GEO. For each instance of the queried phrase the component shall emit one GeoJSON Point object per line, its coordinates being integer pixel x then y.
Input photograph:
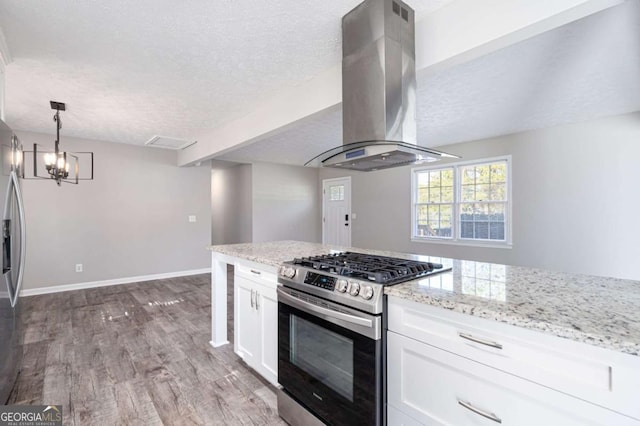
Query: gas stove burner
{"type": "Point", "coordinates": [380, 269]}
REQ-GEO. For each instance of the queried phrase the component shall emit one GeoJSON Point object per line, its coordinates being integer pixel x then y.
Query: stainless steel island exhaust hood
{"type": "Point", "coordinates": [378, 91]}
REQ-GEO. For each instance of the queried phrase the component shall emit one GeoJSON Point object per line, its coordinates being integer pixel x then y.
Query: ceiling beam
{"type": "Point", "coordinates": [464, 30]}
{"type": "Point", "coordinates": [460, 31]}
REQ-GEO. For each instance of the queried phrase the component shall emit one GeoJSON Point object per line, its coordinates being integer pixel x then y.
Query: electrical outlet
{"type": "Point", "coordinates": [78, 267]}
{"type": "Point", "coordinates": [192, 218]}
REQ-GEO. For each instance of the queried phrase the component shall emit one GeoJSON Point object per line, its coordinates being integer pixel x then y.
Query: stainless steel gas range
{"type": "Point", "coordinates": [331, 348]}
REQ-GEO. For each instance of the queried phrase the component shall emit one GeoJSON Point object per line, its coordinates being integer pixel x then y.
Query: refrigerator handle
{"type": "Point", "coordinates": [23, 236]}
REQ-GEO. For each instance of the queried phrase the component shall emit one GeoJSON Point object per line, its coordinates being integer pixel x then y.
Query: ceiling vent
{"type": "Point", "coordinates": [168, 143]}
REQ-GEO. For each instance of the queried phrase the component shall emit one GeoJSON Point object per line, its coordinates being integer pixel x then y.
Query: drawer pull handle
{"type": "Point", "coordinates": [252, 298]}
{"type": "Point", "coordinates": [253, 271]}
{"type": "Point", "coordinates": [481, 341]}
{"type": "Point", "coordinates": [478, 411]}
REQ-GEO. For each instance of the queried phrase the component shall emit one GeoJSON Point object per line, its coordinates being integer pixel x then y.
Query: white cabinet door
{"type": "Point", "coordinates": [246, 327]}
{"type": "Point", "coordinates": [268, 311]}
{"type": "Point", "coordinates": [437, 387]}
{"type": "Point", "coordinates": [256, 320]}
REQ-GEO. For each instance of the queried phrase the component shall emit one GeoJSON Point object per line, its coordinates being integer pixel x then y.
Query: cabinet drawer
{"type": "Point", "coordinates": [258, 273]}
{"type": "Point", "coordinates": [594, 374]}
{"type": "Point", "coordinates": [436, 387]}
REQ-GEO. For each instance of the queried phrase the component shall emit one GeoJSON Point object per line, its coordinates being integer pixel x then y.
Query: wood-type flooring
{"type": "Point", "coordinates": [137, 354]}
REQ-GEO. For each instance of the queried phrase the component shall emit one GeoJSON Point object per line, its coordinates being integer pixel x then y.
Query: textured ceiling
{"type": "Point", "coordinates": [129, 70]}
{"type": "Point", "coordinates": [584, 70]}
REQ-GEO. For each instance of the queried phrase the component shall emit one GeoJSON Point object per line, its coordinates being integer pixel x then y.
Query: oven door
{"type": "Point", "coordinates": [330, 358]}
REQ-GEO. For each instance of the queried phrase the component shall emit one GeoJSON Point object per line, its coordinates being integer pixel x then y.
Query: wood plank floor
{"type": "Point", "coordinates": [137, 354]}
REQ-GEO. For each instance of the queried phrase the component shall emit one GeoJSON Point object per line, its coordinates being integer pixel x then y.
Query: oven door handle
{"type": "Point", "coordinates": [321, 312]}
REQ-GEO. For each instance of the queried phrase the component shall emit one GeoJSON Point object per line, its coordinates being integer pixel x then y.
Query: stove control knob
{"type": "Point", "coordinates": [354, 288]}
{"type": "Point", "coordinates": [288, 272]}
{"type": "Point", "coordinates": [341, 285]}
{"type": "Point", "coordinates": [367, 292]}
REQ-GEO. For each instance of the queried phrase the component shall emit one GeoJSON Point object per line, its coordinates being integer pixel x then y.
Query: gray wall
{"type": "Point", "coordinates": [231, 203]}
{"type": "Point", "coordinates": [575, 200]}
{"type": "Point", "coordinates": [286, 203]}
{"type": "Point", "coordinates": [264, 202]}
{"type": "Point", "coordinates": [132, 220]}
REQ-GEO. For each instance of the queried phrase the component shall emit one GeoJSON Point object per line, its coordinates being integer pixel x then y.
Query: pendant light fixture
{"type": "Point", "coordinates": [61, 166]}
{"type": "Point", "coordinates": [56, 163]}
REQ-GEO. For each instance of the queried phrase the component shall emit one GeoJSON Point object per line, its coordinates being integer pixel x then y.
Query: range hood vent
{"type": "Point", "coordinates": [378, 91]}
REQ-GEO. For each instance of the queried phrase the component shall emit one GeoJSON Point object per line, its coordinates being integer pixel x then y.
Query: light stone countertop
{"type": "Point", "coordinates": [599, 311]}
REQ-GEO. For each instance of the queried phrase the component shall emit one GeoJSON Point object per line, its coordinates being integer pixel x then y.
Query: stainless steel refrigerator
{"type": "Point", "coordinates": [13, 257]}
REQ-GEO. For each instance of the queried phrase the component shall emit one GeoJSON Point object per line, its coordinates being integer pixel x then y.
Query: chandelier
{"type": "Point", "coordinates": [61, 166]}
{"type": "Point", "coordinates": [56, 163]}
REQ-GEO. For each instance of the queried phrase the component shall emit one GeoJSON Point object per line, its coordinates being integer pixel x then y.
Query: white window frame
{"type": "Point", "coordinates": [455, 232]}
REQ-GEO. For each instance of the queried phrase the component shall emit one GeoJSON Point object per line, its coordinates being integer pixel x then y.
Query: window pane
{"type": "Point", "coordinates": [483, 173]}
{"type": "Point", "coordinates": [443, 226]}
{"type": "Point", "coordinates": [433, 212]}
{"type": "Point", "coordinates": [496, 212]}
{"type": "Point", "coordinates": [423, 194]}
{"type": "Point", "coordinates": [336, 192]}
{"type": "Point", "coordinates": [482, 192]}
{"type": "Point", "coordinates": [496, 231]}
{"type": "Point", "coordinates": [446, 213]}
{"type": "Point", "coordinates": [447, 177]}
{"type": "Point", "coordinates": [481, 231]}
{"type": "Point", "coordinates": [447, 194]}
{"type": "Point", "coordinates": [480, 212]}
{"type": "Point", "coordinates": [499, 172]}
{"type": "Point", "coordinates": [434, 178]}
{"type": "Point", "coordinates": [434, 195]}
{"type": "Point", "coordinates": [498, 192]}
{"type": "Point", "coordinates": [468, 192]}
{"type": "Point", "coordinates": [422, 221]}
{"type": "Point", "coordinates": [466, 229]}
{"type": "Point", "coordinates": [468, 176]}
{"type": "Point", "coordinates": [421, 213]}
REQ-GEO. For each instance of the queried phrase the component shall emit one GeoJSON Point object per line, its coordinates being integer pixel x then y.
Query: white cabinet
{"type": "Point", "coordinates": [256, 319]}
{"type": "Point", "coordinates": [450, 368]}
{"type": "Point", "coordinates": [246, 320]}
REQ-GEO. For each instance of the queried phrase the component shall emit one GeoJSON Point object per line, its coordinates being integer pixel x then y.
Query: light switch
{"type": "Point", "coordinates": [192, 218]}
{"type": "Point", "coordinates": [353, 216]}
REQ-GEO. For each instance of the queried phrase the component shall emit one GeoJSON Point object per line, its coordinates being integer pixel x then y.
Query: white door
{"type": "Point", "coordinates": [336, 211]}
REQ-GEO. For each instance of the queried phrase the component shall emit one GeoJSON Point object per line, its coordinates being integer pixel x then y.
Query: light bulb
{"type": "Point", "coordinates": [61, 163]}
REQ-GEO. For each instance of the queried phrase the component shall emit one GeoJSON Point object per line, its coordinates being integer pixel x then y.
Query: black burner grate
{"type": "Point", "coordinates": [379, 269]}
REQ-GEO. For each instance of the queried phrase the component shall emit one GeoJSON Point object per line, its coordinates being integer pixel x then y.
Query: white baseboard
{"type": "Point", "coordinates": [117, 281]}
{"type": "Point", "coordinates": [217, 345]}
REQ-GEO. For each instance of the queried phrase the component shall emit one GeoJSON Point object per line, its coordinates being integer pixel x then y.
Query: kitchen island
{"type": "Point", "coordinates": [528, 344]}
{"type": "Point", "coordinates": [595, 310]}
